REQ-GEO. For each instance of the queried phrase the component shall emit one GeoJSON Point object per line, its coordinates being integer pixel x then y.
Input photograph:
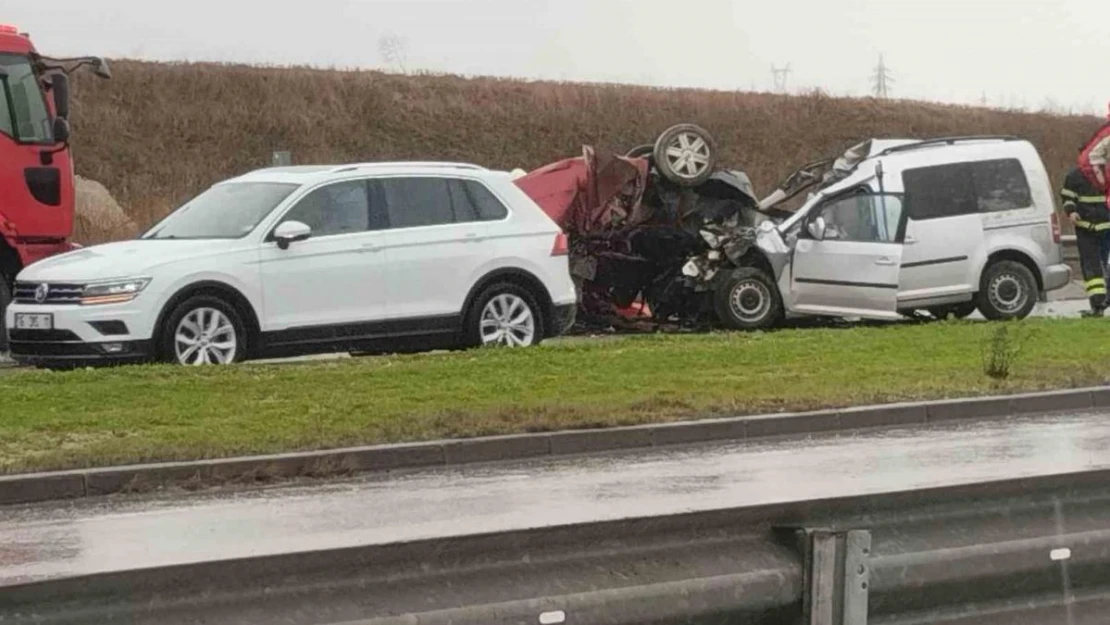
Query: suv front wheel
{"type": "Point", "coordinates": [1008, 290]}
{"type": "Point", "coordinates": [204, 330]}
{"type": "Point", "coordinates": [505, 315]}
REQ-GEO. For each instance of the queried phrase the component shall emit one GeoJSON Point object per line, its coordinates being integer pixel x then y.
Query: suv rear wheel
{"type": "Point", "coordinates": [506, 315]}
{"type": "Point", "coordinates": [747, 300]}
{"type": "Point", "coordinates": [1008, 290]}
{"type": "Point", "coordinates": [204, 330]}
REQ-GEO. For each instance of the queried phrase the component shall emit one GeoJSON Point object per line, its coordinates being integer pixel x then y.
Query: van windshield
{"type": "Point", "coordinates": [226, 211]}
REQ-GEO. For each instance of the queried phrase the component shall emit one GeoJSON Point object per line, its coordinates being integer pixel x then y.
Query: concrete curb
{"type": "Point", "coordinates": [35, 487]}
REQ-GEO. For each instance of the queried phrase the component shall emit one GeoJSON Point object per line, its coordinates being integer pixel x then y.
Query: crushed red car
{"type": "Point", "coordinates": [649, 230]}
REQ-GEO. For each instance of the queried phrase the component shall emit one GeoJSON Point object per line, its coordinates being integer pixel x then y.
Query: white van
{"type": "Point", "coordinates": [945, 225]}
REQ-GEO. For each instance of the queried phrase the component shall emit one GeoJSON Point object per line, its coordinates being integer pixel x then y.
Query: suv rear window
{"type": "Point", "coordinates": [430, 201]}
{"type": "Point", "coordinates": [966, 188]}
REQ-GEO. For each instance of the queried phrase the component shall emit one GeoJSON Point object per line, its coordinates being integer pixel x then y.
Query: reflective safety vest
{"type": "Point", "coordinates": [1085, 199]}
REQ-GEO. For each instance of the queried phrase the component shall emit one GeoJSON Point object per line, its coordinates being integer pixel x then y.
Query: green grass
{"type": "Point", "coordinates": [126, 415]}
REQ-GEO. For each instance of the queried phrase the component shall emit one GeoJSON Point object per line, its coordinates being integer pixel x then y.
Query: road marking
{"type": "Point", "coordinates": [1060, 554]}
{"type": "Point", "coordinates": [553, 618]}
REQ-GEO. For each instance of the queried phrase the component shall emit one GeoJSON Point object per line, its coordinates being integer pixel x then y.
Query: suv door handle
{"type": "Point", "coordinates": [472, 237]}
{"type": "Point", "coordinates": [370, 248]}
{"type": "Point", "coordinates": [884, 261]}
{"type": "Point", "coordinates": [910, 240]}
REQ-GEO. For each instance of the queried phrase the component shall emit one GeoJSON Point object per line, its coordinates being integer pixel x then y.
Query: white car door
{"type": "Point", "coordinates": [435, 249]}
{"type": "Point", "coordinates": [336, 277]}
{"type": "Point", "coordinates": [944, 229]}
{"type": "Point", "coordinates": [851, 268]}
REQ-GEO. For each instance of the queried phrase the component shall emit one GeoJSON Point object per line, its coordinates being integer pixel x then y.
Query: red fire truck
{"type": "Point", "coordinates": [36, 168]}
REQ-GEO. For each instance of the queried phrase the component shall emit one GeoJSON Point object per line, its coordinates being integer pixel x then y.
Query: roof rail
{"type": "Point", "coordinates": [428, 164]}
{"type": "Point", "coordinates": [947, 141]}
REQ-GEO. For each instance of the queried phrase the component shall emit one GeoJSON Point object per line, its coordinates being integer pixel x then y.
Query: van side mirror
{"type": "Point", "coordinates": [59, 84]}
{"type": "Point", "coordinates": [61, 130]}
{"type": "Point", "coordinates": [290, 232]}
{"type": "Point", "coordinates": [816, 228]}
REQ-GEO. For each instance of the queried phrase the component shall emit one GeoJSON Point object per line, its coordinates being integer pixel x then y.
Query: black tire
{"type": "Point", "coordinates": [641, 151]}
{"type": "Point", "coordinates": [5, 299]}
{"type": "Point", "coordinates": [472, 329]}
{"type": "Point", "coordinates": [166, 343]}
{"type": "Point", "coordinates": [747, 299]}
{"type": "Point", "coordinates": [959, 311]}
{"type": "Point", "coordinates": [692, 174]}
{"type": "Point", "coordinates": [1007, 290]}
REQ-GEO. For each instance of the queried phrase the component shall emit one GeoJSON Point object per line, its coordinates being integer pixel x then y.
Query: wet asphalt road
{"type": "Point", "coordinates": [71, 538]}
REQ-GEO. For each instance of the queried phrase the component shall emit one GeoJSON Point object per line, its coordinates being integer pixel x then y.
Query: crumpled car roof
{"type": "Point", "coordinates": [590, 193]}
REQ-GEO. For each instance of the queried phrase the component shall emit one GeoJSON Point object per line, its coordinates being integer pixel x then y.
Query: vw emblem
{"type": "Point", "coordinates": [42, 292]}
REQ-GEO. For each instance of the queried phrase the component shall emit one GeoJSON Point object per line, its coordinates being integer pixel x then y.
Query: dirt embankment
{"type": "Point", "coordinates": [157, 133]}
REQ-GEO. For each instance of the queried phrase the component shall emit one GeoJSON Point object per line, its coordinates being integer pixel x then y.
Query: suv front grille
{"type": "Point", "coordinates": [25, 293]}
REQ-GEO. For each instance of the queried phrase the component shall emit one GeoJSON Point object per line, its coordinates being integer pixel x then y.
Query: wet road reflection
{"type": "Point", "coordinates": [71, 538]}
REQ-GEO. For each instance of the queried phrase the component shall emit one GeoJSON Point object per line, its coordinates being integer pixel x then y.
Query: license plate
{"type": "Point", "coordinates": [34, 321]}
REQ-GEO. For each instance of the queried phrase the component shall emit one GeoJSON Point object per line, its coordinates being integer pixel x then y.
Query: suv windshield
{"type": "Point", "coordinates": [225, 211]}
{"type": "Point", "coordinates": [23, 113]}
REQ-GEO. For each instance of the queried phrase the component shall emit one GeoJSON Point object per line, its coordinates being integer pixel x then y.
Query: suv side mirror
{"type": "Point", "coordinates": [61, 130]}
{"type": "Point", "coordinates": [816, 228]}
{"type": "Point", "coordinates": [59, 84]}
{"type": "Point", "coordinates": [290, 232]}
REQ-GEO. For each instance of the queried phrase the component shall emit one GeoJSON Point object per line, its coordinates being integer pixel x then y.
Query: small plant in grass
{"type": "Point", "coordinates": [1002, 348]}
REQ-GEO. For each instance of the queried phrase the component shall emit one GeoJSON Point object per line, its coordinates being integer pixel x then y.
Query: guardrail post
{"type": "Point", "coordinates": [838, 575]}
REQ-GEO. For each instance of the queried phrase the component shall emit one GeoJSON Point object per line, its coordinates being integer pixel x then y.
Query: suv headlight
{"type": "Point", "coordinates": [115, 292]}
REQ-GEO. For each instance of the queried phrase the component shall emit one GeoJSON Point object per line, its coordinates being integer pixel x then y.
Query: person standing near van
{"type": "Point", "coordinates": [1085, 205]}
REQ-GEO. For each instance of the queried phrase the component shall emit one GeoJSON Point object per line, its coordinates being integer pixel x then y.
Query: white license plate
{"type": "Point", "coordinates": [34, 321]}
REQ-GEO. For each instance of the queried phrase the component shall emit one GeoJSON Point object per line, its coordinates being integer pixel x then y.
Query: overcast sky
{"type": "Point", "coordinates": [1029, 53]}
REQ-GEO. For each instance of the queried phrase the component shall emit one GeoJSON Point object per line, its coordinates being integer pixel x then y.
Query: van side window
{"type": "Point", "coordinates": [940, 191]}
{"type": "Point", "coordinates": [1001, 185]}
{"type": "Point", "coordinates": [966, 188]}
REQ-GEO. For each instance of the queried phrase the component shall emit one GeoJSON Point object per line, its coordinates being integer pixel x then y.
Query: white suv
{"type": "Point", "coordinates": [296, 260]}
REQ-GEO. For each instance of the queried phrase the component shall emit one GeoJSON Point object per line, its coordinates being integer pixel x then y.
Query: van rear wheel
{"type": "Point", "coordinates": [1007, 290]}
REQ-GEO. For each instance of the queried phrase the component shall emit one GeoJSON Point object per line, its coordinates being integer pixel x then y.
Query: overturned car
{"type": "Point", "coordinates": [661, 233]}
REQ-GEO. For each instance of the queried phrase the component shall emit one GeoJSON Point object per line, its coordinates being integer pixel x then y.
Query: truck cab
{"type": "Point", "coordinates": [36, 168]}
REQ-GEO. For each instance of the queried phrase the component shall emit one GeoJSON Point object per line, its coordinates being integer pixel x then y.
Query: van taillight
{"type": "Point", "coordinates": [1055, 227]}
{"type": "Point", "coordinates": [561, 247]}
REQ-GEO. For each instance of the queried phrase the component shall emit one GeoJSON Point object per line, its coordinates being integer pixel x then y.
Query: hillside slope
{"type": "Point", "coordinates": [158, 133]}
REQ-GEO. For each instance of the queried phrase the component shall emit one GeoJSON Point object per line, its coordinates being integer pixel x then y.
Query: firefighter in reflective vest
{"type": "Point", "coordinates": [1085, 205]}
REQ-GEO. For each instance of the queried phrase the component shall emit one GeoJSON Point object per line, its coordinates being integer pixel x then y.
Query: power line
{"type": "Point", "coordinates": [780, 76]}
{"type": "Point", "coordinates": [881, 80]}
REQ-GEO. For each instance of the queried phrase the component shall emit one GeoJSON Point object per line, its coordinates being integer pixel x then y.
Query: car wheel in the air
{"type": "Point", "coordinates": [685, 154]}
{"type": "Point", "coordinates": [1008, 290]}
{"type": "Point", "coordinates": [204, 330]}
{"type": "Point", "coordinates": [505, 315]}
{"type": "Point", "coordinates": [747, 299]}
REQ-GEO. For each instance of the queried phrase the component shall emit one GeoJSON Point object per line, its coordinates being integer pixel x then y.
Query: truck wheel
{"type": "Point", "coordinates": [5, 299]}
{"type": "Point", "coordinates": [959, 311]}
{"type": "Point", "coordinates": [686, 155]}
{"type": "Point", "coordinates": [1007, 290]}
{"type": "Point", "coordinates": [748, 300]}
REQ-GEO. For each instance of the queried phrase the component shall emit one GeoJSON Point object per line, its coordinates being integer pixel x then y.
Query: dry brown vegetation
{"type": "Point", "coordinates": [158, 133]}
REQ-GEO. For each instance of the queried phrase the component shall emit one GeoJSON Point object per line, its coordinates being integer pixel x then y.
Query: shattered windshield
{"type": "Point", "coordinates": [225, 211]}
{"type": "Point", "coordinates": [23, 112]}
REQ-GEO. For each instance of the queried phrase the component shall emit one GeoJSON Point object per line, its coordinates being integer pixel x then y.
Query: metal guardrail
{"type": "Point", "coordinates": [1020, 552]}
